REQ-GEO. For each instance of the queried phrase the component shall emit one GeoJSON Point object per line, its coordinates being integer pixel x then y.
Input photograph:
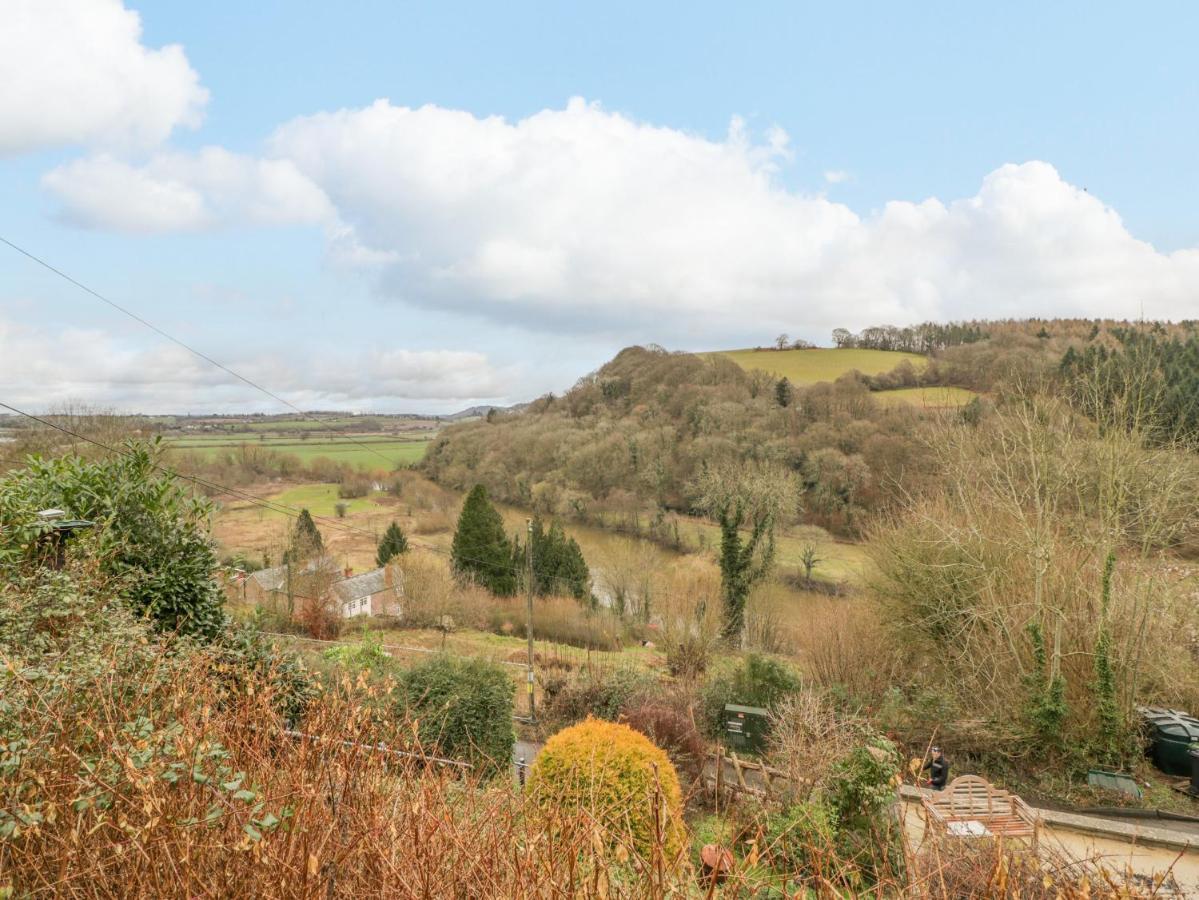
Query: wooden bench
{"type": "Point", "coordinates": [973, 807]}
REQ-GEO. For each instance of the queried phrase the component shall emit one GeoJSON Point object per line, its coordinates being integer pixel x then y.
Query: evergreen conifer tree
{"type": "Point", "coordinates": [392, 545]}
{"type": "Point", "coordinates": [558, 563]}
{"type": "Point", "coordinates": [306, 541]}
{"type": "Point", "coordinates": [782, 392]}
{"type": "Point", "coordinates": [481, 550]}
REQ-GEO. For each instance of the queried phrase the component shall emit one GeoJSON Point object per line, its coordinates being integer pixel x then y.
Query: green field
{"type": "Point", "coordinates": [366, 452]}
{"type": "Point", "coordinates": [804, 367]}
{"type": "Point", "coordinates": [928, 397]}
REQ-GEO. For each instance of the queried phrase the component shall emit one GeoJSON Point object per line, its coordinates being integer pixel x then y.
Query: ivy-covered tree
{"type": "Point", "coordinates": [481, 550]}
{"type": "Point", "coordinates": [744, 496]}
{"type": "Point", "coordinates": [392, 544]}
{"type": "Point", "coordinates": [150, 532]}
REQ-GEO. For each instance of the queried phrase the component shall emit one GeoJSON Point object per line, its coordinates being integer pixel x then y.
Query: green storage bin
{"type": "Point", "coordinates": [746, 727]}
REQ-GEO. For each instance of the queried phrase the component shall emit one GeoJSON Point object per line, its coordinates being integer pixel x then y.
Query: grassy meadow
{"type": "Point", "coordinates": [932, 397]}
{"type": "Point", "coordinates": [804, 367]}
{"type": "Point", "coordinates": [807, 367]}
{"type": "Point", "coordinates": [363, 452]}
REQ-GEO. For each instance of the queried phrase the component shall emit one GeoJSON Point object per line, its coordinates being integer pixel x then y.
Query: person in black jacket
{"type": "Point", "coordinates": [938, 769]}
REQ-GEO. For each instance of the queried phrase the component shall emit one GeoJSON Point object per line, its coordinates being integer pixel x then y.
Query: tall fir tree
{"type": "Point", "coordinates": [393, 543]}
{"type": "Point", "coordinates": [481, 550]}
{"type": "Point", "coordinates": [558, 563]}
{"type": "Point", "coordinates": [306, 542]}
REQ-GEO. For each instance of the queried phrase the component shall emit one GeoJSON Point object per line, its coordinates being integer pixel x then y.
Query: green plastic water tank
{"type": "Point", "coordinates": [1170, 733]}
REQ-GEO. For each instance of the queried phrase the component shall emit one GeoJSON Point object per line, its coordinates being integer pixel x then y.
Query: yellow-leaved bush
{"type": "Point", "coordinates": [619, 779]}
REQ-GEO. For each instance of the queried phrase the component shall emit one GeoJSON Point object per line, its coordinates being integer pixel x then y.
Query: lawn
{"type": "Point", "coordinates": [805, 367]}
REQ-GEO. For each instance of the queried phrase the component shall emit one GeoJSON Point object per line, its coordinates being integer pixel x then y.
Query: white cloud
{"type": "Point", "coordinates": [837, 176]}
{"type": "Point", "coordinates": [584, 220]}
{"type": "Point", "coordinates": [75, 71]}
{"type": "Point", "coordinates": [186, 192]}
{"type": "Point", "coordinates": [40, 369]}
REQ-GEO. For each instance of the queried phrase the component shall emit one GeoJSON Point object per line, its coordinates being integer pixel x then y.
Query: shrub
{"type": "Point", "coordinates": [860, 792]}
{"type": "Point", "coordinates": [354, 487]}
{"type": "Point", "coordinates": [800, 840]}
{"type": "Point", "coordinates": [151, 533]}
{"type": "Point", "coordinates": [809, 735]}
{"type": "Point", "coordinates": [617, 777]}
{"type": "Point", "coordinates": [463, 707]}
{"type": "Point", "coordinates": [320, 616]}
{"type": "Point", "coordinates": [688, 601]}
{"type": "Point", "coordinates": [366, 654]}
{"type": "Point", "coordinates": [597, 693]}
{"type": "Point", "coordinates": [671, 728]}
{"type": "Point", "coordinates": [753, 681]}
{"type": "Point", "coordinates": [340, 508]}
{"type": "Point", "coordinates": [245, 658]}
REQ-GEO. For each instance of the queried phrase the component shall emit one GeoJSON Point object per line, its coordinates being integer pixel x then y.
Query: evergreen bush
{"type": "Point", "coordinates": [150, 537]}
{"type": "Point", "coordinates": [463, 707]}
{"type": "Point", "coordinates": [616, 777]}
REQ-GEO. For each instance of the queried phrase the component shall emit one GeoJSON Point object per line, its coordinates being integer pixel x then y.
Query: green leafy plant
{"type": "Point", "coordinates": [755, 680]}
{"type": "Point", "coordinates": [463, 707]}
{"type": "Point", "coordinates": [365, 654]}
{"type": "Point", "coordinates": [150, 532]}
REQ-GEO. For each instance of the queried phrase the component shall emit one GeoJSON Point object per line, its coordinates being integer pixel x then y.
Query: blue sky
{"type": "Point", "coordinates": [401, 207]}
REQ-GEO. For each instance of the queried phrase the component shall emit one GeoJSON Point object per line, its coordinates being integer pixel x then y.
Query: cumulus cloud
{"type": "Point", "coordinates": [584, 220]}
{"type": "Point", "coordinates": [40, 369]}
{"type": "Point", "coordinates": [836, 176]}
{"type": "Point", "coordinates": [186, 192]}
{"type": "Point", "coordinates": [76, 72]}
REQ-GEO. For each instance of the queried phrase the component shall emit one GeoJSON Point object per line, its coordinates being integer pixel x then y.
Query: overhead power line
{"type": "Point", "coordinates": [190, 349]}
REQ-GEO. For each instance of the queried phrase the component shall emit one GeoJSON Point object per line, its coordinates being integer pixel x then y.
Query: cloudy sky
{"type": "Point", "coordinates": [416, 207]}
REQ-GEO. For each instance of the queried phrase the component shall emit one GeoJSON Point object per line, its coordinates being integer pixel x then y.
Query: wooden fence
{"type": "Point", "coordinates": [727, 773]}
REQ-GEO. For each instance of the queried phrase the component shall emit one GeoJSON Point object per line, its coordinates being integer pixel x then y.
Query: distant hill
{"type": "Point", "coordinates": [472, 412]}
{"type": "Point", "coordinates": [628, 442]}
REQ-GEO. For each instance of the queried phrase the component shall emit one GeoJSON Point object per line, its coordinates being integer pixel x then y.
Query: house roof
{"type": "Point", "coordinates": [270, 579]}
{"type": "Point", "coordinates": [275, 579]}
{"type": "Point", "coordinates": [359, 586]}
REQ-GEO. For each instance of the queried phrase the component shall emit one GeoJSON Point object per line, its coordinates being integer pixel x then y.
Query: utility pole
{"type": "Point", "coordinates": [529, 613]}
